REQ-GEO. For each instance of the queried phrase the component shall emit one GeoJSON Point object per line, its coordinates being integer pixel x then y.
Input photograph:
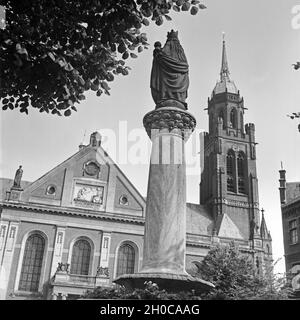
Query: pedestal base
{"type": "Point", "coordinates": [171, 282]}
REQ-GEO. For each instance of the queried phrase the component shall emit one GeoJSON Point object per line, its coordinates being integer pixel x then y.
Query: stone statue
{"type": "Point", "coordinates": [18, 177]}
{"type": "Point", "coordinates": [63, 267]}
{"type": "Point", "coordinates": [102, 272]}
{"type": "Point", "coordinates": [169, 75]}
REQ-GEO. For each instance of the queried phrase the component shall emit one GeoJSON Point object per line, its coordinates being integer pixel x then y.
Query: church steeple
{"type": "Point", "coordinates": [229, 184]}
{"type": "Point", "coordinates": [224, 74]}
{"type": "Point", "coordinates": [229, 179]}
{"type": "Point", "coordinates": [225, 84]}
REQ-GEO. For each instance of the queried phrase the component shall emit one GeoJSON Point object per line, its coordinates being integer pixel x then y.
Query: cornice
{"type": "Point", "coordinates": [76, 212]}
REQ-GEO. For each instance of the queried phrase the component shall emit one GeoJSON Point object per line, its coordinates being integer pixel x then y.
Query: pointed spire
{"type": "Point", "coordinates": [263, 226]}
{"type": "Point", "coordinates": [224, 74]}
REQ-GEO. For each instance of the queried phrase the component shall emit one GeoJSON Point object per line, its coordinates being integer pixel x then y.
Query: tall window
{"type": "Point", "coordinates": [236, 172]}
{"type": "Point", "coordinates": [81, 254]}
{"type": "Point", "coordinates": [230, 171]}
{"type": "Point", "coordinates": [241, 173]}
{"type": "Point", "coordinates": [221, 116]}
{"type": "Point", "coordinates": [242, 121]}
{"type": "Point", "coordinates": [126, 258]}
{"type": "Point", "coordinates": [233, 118]}
{"type": "Point", "coordinates": [32, 263]}
{"type": "Point", "coordinates": [293, 230]}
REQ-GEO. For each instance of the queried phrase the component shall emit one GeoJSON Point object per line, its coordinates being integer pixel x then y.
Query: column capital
{"type": "Point", "coordinates": [169, 119]}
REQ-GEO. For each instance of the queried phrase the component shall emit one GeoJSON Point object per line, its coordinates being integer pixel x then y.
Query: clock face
{"type": "Point", "coordinates": [91, 168]}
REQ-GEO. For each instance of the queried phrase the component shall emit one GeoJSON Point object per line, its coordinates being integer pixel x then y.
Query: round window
{"type": "Point", "coordinates": [91, 168]}
{"type": "Point", "coordinates": [51, 190]}
{"type": "Point", "coordinates": [124, 200]}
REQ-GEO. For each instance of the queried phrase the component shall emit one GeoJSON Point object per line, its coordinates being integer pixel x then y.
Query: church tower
{"type": "Point", "coordinates": [229, 184]}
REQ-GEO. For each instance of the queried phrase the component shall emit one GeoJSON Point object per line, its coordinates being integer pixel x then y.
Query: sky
{"type": "Point", "coordinates": [262, 43]}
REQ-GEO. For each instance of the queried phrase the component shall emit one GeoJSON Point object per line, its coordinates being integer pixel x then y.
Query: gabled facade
{"type": "Point", "coordinates": [78, 215]}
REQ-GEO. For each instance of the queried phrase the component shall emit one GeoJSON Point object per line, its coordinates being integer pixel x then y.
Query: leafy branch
{"type": "Point", "coordinates": [53, 51]}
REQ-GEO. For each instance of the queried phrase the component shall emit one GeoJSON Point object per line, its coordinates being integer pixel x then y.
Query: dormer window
{"type": "Point", "coordinates": [51, 190]}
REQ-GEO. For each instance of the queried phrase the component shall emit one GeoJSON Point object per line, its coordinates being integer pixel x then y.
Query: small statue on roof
{"type": "Point", "coordinates": [18, 178]}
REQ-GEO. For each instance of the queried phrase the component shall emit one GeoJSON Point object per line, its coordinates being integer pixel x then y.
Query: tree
{"type": "Point", "coordinates": [296, 65]}
{"type": "Point", "coordinates": [53, 51]}
{"type": "Point", "coordinates": [235, 277]}
{"type": "Point", "coordinates": [296, 114]}
{"type": "Point", "coordinates": [293, 116]}
{"type": "Point", "coordinates": [150, 292]}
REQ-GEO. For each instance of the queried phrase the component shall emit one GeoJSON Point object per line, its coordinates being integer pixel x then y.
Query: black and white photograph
{"type": "Point", "coordinates": [149, 150]}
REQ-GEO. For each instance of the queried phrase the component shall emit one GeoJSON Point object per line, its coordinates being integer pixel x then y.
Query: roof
{"type": "Point", "coordinates": [225, 84]}
{"type": "Point", "coordinates": [199, 220]}
{"type": "Point", "coordinates": [228, 228]}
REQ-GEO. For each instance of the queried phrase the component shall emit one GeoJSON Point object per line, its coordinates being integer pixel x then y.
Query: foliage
{"type": "Point", "coordinates": [236, 277]}
{"type": "Point", "coordinates": [150, 292]}
{"type": "Point", "coordinates": [296, 65]}
{"type": "Point", "coordinates": [53, 51]}
{"type": "Point", "coordinates": [293, 116]}
{"type": "Point", "coordinates": [296, 114]}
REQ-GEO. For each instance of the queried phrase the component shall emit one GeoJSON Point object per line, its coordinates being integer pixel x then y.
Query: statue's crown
{"type": "Point", "coordinates": [172, 35]}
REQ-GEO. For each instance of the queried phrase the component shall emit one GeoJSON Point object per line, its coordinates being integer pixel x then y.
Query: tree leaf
{"type": "Point", "coordinates": [133, 55]}
{"type": "Point", "coordinates": [67, 113]}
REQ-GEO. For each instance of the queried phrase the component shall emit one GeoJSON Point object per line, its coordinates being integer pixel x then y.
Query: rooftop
{"type": "Point", "coordinates": [225, 83]}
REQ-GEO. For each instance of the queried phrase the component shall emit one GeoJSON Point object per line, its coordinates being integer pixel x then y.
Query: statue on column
{"type": "Point", "coordinates": [169, 74]}
{"type": "Point", "coordinates": [18, 178]}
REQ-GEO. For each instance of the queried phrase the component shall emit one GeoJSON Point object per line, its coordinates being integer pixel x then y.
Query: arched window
{"type": "Point", "coordinates": [241, 173]}
{"type": "Point", "coordinates": [233, 118]}
{"type": "Point", "coordinates": [221, 115]}
{"type": "Point", "coordinates": [32, 263]}
{"type": "Point", "coordinates": [81, 255]}
{"type": "Point", "coordinates": [126, 259]}
{"type": "Point", "coordinates": [230, 170]}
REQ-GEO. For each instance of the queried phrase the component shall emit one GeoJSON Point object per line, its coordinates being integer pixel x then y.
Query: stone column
{"type": "Point", "coordinates": [165, 225]}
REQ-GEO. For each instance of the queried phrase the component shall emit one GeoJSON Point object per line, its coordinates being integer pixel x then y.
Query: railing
{"type": "Point", "coordinates": [82, 279]}
{"type": "Point", "coordinates": [63, 277]}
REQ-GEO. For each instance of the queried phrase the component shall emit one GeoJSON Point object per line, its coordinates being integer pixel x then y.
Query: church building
{"type": "Point", "coordinates": [81, 224]}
